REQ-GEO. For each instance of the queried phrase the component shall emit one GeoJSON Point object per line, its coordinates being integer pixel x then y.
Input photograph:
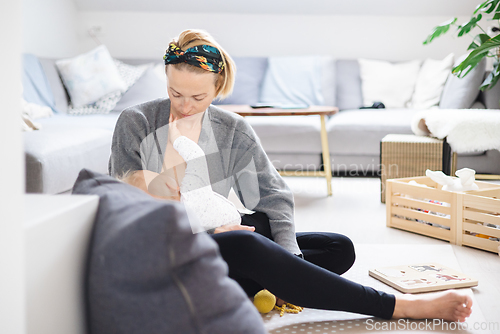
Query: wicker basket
{"type": "Point", "coordinates": [444, 215]}
{"type": "Point", "coordinates": [408, 156]}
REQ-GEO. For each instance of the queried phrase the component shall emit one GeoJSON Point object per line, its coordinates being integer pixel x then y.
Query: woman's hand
{"type": "Point", "coordinates": [157, 185]}
{"type": "Point", "coordinates": [227, 228]}
{"type": "Point", "coordinates": [164, 187]}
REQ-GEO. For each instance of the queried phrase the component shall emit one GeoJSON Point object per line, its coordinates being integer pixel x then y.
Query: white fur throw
{"type": "Point", "coordinates": [466, 130]}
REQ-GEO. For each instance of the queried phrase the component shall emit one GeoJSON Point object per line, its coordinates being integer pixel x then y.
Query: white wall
{"type": "Point", "coordinates": [50, 28]}
{"type": "Point", "coordinates": [145, 34]}
{"type": "Point", "coordinates": [12, 313]}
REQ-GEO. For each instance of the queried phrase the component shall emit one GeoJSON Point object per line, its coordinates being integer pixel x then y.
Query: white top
{"type": "Point", "coordinates": [206, 209]}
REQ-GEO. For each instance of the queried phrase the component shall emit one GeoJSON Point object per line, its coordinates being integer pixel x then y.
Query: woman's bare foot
{"type": "Point", "coordinates": [447, 305]}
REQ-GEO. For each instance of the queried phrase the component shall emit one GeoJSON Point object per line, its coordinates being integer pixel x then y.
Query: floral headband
{"type": "Point", "coordinates": [204, 56]}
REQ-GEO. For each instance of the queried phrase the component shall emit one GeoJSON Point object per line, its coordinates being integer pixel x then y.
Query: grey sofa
{"type": "Point", "coordinates": [66, 144]}
{"type": "Point", "coordinates": [354, 134]}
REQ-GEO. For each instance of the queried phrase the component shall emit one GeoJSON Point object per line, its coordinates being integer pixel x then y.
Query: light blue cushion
{"type": "Point", "coordinates": [60, 95]}
{"type": "Point", "coordinates": [36, 87]}
{"type": "Point", "coordinates": [293, 80]}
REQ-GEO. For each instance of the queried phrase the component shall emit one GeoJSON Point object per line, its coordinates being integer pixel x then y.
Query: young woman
{"type": "Point", "coordinates": [184, 148]}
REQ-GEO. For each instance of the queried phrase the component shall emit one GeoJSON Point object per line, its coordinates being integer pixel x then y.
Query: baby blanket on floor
{"type": "Point", "coordinates": [466, 130]}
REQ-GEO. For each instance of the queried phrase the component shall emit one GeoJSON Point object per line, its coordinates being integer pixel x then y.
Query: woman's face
{"type": "Point", "coordinates": [190, 93]}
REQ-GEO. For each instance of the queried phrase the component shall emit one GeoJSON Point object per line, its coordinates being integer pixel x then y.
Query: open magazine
{"type": "Point", "coordinates": [422, 278]}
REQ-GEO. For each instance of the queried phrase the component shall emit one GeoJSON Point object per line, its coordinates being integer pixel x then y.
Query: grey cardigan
{"type": "Point", "coordinates": [234, 156]}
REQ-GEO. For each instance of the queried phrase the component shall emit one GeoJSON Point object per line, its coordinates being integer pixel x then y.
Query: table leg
{"type": "Point", "coordinates": [326, 156]}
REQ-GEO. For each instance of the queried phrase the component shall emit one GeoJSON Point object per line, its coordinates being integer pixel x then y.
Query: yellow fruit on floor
{"type": "Point", "coordinates": [264, 301]}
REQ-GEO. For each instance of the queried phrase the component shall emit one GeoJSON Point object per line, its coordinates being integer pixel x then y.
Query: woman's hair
{"type": "Point", "coordinates": [193, 37]}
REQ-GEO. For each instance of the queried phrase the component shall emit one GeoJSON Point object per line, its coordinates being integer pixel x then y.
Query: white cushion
{"type": "Point", "coordinates": [90, 76]}
{"type": "Point", "coordinates": [430, 82]}
{"type": "Point", "coordinates": [129, 74]}
{"type": "Point", "coordinates": [391, 84]}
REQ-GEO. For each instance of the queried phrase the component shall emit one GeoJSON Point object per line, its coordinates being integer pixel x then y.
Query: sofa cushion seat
{"type": "Point", "coordinates": [66, 144]}
{"type": "Point", "coordinates": [288, 134]}
{"type": "Point", "coordinates": [359, 131]}
{"type": "Point", "coordinates": [104, 121]}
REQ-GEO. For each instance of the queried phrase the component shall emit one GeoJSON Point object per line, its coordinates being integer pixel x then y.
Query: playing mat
{"type": "Point", "coordinates": [311, 321]}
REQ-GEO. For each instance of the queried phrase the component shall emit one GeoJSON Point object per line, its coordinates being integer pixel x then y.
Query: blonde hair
{"type": "Point", "coordinates": [193, 37]}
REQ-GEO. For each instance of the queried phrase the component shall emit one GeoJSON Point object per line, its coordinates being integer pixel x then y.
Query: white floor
{"type": "Point", "coordinates": [356, 211]}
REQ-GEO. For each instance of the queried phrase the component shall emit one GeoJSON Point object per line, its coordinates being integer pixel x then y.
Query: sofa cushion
{"type": "Point", "coordinates": [65, 145]}
{"type": "Point", "coordinates": [285, 134]}
{"type": "Point", "coordinates": [358, 132]}
{"type": "Point", "coordinates": [293, 80]}
{"type": "Point", "coordinates": [250, 72]}
{"type": "Point", "coordinates": [491, 97]}
{"type": "Point", "coordinates": [460, 93]}
{"type": "Point", "coordinates": [129, 74]}
{"type": "Point", "coordinates": [90, 76]}
{"type": "Point", "coordinates": [60, 95]}
{"type": "Point", "coordinates": [430, 82]}
{"type": "Point", "coordinates": [36, 87]}
{"type": "Point", "coordinates": [392, 84]}
{"type": "Point", "coordinates": [148, 87]}
{"type": "Point", "coordinates": [328, 89]}
{"type": "Point", "coordinates": [148, 273]}
{"type": "Point", "coordinates": [348, 84]}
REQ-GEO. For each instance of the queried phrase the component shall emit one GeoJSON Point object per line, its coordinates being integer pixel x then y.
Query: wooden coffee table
{"type": "Point", "coordinates": [321, 111]}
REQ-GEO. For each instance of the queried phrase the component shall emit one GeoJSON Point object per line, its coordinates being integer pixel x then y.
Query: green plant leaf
{"type": "Point", "coordinates": [473, 46]}
{"type": "Point", "coordinates": [496, 16]}
{"type": "Point", "coordinates": [468, 26]}
{"type": "Point", "coordinates": [492, 78]}
{"type": "Point", "coordinates": [487, 6]}
{"type": "Point", "coordinates": [476, 56]}
{"type": "Point", "coordinates": [493, 6]}
{"type": "Point", "coordinates": [479, 40]}
{"type": "Point", "coordinates": [440, 30]}
{"type": "Point", "coordinates": [481, 6]}
{"type": "Point", "coordinates": [483, 38]}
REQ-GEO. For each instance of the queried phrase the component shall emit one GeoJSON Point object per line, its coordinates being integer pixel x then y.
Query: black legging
{"type": "Point", "coordinates": [256, 262]}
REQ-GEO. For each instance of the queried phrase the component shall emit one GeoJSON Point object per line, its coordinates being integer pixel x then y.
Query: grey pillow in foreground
{"type": "Point", "coordinates": [148, 273]}
{"type": "Point", "coordinates": [460, 93]}
{"type": "Point", "coordinates": [250, 73]}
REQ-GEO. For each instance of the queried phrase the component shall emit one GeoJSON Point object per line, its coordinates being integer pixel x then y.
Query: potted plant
{"type": "Point", "coordinates": [483, 45]}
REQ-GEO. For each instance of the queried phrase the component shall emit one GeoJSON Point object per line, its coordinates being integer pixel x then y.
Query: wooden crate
{"type": "Point", "coordinates": [479, 209]}
{"type": "Point", "coordinates": [427, 210]}
{"type": "Point", "coordinates": [408, 156]}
